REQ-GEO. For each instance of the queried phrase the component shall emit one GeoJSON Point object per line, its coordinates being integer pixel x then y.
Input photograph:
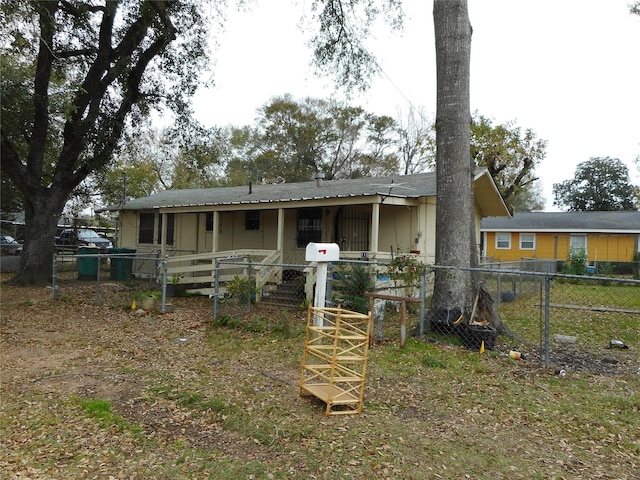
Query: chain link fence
{"type": "Point", "coordinates": [144, 277]}
{"type": "Point", "coordinates": [560, 321]}
{"type": "Point", "coordinates": [564, 322]}
{"type": "Point", "coordinates": [570, 322]}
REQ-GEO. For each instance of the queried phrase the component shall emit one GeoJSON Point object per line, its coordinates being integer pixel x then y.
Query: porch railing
{"type": "Point", "coordinates": [197, 272]}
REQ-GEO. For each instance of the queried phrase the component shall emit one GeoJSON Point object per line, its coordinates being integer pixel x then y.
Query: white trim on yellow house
{"type": "Point", "coordinates": [607, 236]}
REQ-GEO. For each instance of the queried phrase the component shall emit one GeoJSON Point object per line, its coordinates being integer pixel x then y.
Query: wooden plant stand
{"type": "Point", "coordinates": [334, 361]}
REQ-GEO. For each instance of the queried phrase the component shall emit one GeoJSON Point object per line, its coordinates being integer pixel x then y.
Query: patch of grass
{"type": "Point", "coordinates": [433, 362]}
{"type": "Point", "coordinates": [100, 410]}
{"type": "Point", "coordinates": [280, 326]}
{"type": "Point", "coordinates": [191, 400]}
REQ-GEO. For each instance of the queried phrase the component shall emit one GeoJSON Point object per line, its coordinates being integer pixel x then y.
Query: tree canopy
{"type": "Point", "coordinates": [511, 155]}
{"type": "Point", "coordinates": [74, 74]}
{"type": "Point", "coordinates": [292, 140]}
{"type": "Point", "coordinates": [599, 184]}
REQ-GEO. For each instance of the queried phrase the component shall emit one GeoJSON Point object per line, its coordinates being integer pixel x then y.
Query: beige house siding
{"type": "Point", "coordinates": [402, 228]}
{"type": "Point", "coordinates": [364, 217]}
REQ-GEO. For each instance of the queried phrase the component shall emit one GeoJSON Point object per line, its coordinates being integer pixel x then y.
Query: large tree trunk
{"type": "Point", "coordinates": [455, 226]}
{"type": "Point", "coordinates": [42, 212]}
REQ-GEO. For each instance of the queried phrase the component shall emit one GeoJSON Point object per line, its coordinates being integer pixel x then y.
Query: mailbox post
{"type": "Point", "coordinates": [322, 254]}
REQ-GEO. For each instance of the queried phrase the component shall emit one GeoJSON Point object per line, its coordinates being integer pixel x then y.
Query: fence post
{"type": "Point", "coordinates": [165, 265]}
{"type": "Point", "coordinates": [547, 294]}
{"type": "Point", "coordinates": [329, 289]}
{"type": "Point", "coordinates": [249, 285]}
{"type": "Point", "coordinates": [216, 288]}
{"type": "Point", "coordinates": [98, 280]}
{"type": "Point", "coordinates": [54, 279]}
{"type": "Point", "coordinates": [422, 301]}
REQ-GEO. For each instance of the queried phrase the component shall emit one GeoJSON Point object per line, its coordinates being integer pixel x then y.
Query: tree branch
{"type": "Point", "coordinates": [44, 64]}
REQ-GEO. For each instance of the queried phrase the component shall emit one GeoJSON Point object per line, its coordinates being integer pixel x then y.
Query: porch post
{"type": "Point", "coordinates": [216, 229]}
{"type": "Point", "coordinates": [280, 240]}
{"type": "Point", "coordinates": [375, 228]}
{"type": "Point", "coordinates": [163, 235]}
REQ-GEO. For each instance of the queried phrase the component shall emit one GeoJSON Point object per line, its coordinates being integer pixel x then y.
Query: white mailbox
{"type": "Point", "coordinates": [322, 252]}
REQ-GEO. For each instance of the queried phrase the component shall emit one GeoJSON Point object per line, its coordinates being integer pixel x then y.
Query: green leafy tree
{"type": "Point", "coordinates": [295, 139]}
{"type": "Point", "coordinates": [530, 199]}
{"type": "Point", "coordinates": [82, 70]}
{"type": "Point", "coordinates": [511, 155]}
{"type": "Point", "coordinates": [243, 147]}
{"type": "Point", "coordinates": [599, 184]}
{"type": "Point", "coordinates": [199, 160]}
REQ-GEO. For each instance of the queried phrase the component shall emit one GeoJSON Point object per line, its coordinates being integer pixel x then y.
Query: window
{"type": "Point", "coordinates": [170, 227]}
{"type": "Point", "coordinates": [145, 230]}
{"type": "Point", "coordinates": [309, 226]}
{"type": "Point", "coordinates": [527, 241]}
{"type": "Point", "coordinates": [577, 244]}
{"type": "Point", "coordinates": [252, 220]}
{"type": "Point", "coordinates": [209, 222]}
{"type": "Point", "coordinates": [503, 241]}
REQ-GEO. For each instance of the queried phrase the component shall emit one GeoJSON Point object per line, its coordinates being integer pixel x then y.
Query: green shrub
{"type": "Point", "coordinates": [577, 262]}
{"type": "Point", "coordinates": [350, 286]}
{"type": "Point", "coordinates": [239, 288]}
{"type": "Point", "coordinates": [406, 269]}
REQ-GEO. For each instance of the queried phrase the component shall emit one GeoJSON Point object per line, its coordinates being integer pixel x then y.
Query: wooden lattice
{"type": "Point", "coordinates": [334, 361]}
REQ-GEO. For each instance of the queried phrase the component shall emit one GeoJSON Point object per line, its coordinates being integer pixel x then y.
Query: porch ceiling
{"type": "Point", "coordinates": [487, 196]}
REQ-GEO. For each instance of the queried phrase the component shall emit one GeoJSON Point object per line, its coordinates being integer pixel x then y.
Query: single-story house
{"type": "Point", "coordinates": [366, 217]}
{"type": "Point", "coordinates": [602, 236]}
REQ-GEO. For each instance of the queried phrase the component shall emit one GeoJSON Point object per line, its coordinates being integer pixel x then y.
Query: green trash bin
{"type": "Point", "coordinates": [87, 266]}
{"type": "Point", "coordinates": [121, 263]}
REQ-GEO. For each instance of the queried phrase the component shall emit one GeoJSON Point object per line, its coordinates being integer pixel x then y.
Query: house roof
{"type": "Point", "coordinates": [399, 186]}
{"type": "Point", "coordinates": [573, 222]}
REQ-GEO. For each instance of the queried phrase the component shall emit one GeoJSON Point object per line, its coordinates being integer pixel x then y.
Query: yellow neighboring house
{"type": "Point", "coordinates": [602, 236]}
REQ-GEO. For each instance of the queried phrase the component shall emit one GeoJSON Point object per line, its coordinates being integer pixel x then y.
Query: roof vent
{"type": "Point", "coordinates": [319, 176]}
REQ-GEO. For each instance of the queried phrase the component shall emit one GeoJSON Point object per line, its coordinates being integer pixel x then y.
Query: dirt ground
{"type": "Point", "coordinates": [56, 351]}
{"type": "Point", "coordinates": [76, 348]}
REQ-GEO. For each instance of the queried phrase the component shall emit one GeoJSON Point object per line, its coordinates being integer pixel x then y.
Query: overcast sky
{"type": "Point", "coordinates": [567, 69]}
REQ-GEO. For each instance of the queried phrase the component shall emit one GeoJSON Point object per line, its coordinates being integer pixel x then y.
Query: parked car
{"type": "Point", "coordinates": [9, 245]}
{"type": "Point", "coordinates": [70, 240]}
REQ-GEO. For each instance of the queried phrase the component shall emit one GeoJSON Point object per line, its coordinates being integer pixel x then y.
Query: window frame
{"type": "Point", "coordinates": [252, 220]}
{"type": "Point", "coordinates": [146, 231]}
{"type": "Point", "coordinates": [532, 241]}
{"type": "Point", "coordinates": [499, 240]}
{"type": "Point", "coordinates": [581, 249]}
{"type": "Point", "coordinates": [150, 228]}
{"type": "Point", "coordinates": [312, 230]}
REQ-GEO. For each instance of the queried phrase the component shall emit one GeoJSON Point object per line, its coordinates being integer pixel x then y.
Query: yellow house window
{"type": "Point", "coordinates": [503, 241]}
{"type": "Point", "coordinates": [577, 245]}
{"type": "Point", "coordinates": [527, 241]}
